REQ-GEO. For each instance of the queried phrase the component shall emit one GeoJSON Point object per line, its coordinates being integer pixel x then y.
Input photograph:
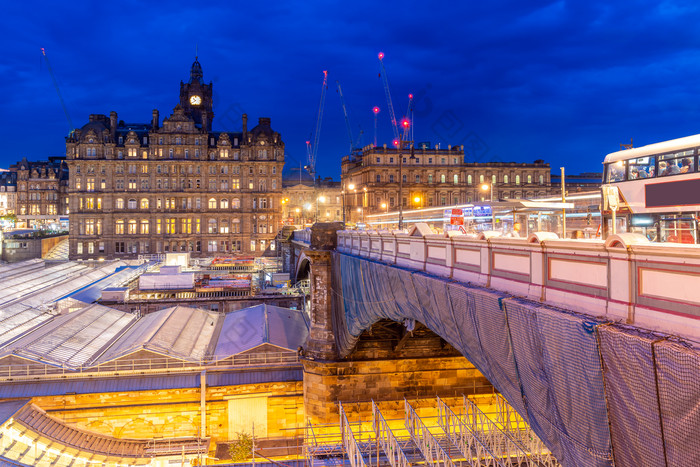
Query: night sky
{"type": "Point", "coordinates": [566, 82]}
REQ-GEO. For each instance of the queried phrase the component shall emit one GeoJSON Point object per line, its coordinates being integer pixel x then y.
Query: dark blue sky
{"type": "Point", "coordinates": [566, 82]}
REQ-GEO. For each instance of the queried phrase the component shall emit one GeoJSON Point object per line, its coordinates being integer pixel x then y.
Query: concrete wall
{"type": "Point", "coordinates": [28, 248]}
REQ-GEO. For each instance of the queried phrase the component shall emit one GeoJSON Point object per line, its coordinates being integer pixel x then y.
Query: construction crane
{"type": "Point", "coordinates": [390, 105]}
{"type": "Point", "coordinates": [312, 148]}
{"type": "Point", "coordinates": [410, 116]}
{"type": "Point", "coordinates": [58, 91]}
{"type": "Point", "coordinates": [354, 145]}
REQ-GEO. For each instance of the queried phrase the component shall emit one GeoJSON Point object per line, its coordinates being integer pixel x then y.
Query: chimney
{"type": "Point", "coordinates": [156, 119]}
{"type": "Point", "coordinates": [245, 123]}
{"type": "Point", "coordinates": [113, 123]}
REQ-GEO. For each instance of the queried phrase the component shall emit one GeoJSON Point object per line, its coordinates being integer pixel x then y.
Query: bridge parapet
{"type": "Point", "coordinates": [626, 278]}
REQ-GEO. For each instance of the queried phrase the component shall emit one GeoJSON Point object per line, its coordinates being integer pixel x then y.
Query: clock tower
{"type": "Point", "coordinates": [196, 97]}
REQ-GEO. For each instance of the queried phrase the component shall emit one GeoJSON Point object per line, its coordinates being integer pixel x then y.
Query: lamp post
{"type": "Point", "coordinates": [399, 144]}
{"type": "Point", "coordinates": [489, 186]}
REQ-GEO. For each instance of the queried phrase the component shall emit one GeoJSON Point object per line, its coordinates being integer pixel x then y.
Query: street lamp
{"type": "Point", "coordinates": [489, 187]}
{"type": "Point", "coordinates": [399, 143]}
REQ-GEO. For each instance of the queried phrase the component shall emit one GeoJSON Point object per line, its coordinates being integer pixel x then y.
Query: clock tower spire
{"type": "Point", "coordinates": [196, 97]}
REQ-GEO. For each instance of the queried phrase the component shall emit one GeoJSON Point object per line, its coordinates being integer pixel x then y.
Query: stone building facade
{"type": "Point", "coordinates": [41, 192]}
{"type": "Point", "coordinates": [8, 192]}
{"type": "Point", "coordinates": [432, 177]}
{"type": "Point", "coordinates": [151, 188]}
{"type": "Point", "coordinates": [305, 202]}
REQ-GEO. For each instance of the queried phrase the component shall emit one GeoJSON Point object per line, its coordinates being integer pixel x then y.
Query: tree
{"type": "Point", "coordinates": [241, 448]}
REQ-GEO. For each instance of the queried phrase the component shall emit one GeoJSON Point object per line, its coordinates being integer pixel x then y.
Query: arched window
{"type": "Point", "coordinates": [529, 179]}
{"type": "Point", "coordinates": [212, 226]}
{"type": "Point", "coordinates": [144, 203]}
{"type": "Point", "coordinates": [541, 179]}
{"type": "Point", "coordinates": [455, 179]}
{"type": "Point", "coordinates": [236, 203]}
{"type": "Point", "coordinates": [132, 204]}
{"type": "Point", "coordinates": [223, 204]}
{"type": "Point", "coordinates": [212, 203]}
{"type": "Point", "coordinates": [442, 178]}
{"type": "Point", "coordinates": [469, 180]}
{"type": "Point", "coordinates": [481, 178]}
{"type": "Point", "coordinates": [517, 179]}
{"type": "Point", "coordinates": [505, 179]}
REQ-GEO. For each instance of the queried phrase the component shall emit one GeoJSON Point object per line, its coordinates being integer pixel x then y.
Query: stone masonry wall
{"type": "Point", "coordinates": [326, 383]}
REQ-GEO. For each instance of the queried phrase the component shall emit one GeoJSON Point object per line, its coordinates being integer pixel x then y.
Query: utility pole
{"type": "Point", "coordinates": [563, 200]}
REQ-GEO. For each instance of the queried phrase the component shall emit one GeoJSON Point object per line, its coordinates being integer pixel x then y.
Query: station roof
{"type": "Point", "coordinates": [246, 329]}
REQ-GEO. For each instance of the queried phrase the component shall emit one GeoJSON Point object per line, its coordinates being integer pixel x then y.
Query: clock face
{"type": "Point", "coordinates": [195, 100]}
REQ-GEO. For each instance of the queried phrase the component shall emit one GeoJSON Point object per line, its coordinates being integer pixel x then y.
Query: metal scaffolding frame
{"type": "Point", "coordinates": [428, 444]}
{"type": "Point", "coordinates": [475, 445]}
{"type": "Point", "coordinates": [387, 441]}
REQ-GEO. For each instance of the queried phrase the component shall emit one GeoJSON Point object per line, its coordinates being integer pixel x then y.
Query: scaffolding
{"type": "Point", "coordinates": [485, 434]}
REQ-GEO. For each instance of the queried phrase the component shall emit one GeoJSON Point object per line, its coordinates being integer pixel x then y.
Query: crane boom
{"type": "Point", "coordinates": [392, 115]}
{"type": "Point", "coordinates": [347, 119]}
{"type": "Point", "coordinates": [312, 148]}
{"type": "Point", "coordinates": [58, 91]}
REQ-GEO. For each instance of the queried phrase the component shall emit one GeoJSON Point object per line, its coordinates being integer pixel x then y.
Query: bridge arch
{"type": "Point", "coordinates": [524, 349]}
{"type": "Point", "coordinates": [302, 269]}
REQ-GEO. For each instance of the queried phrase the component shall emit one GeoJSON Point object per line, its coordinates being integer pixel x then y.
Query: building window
{"type": "Point", "coordinates": [541, 179]}
{"type": "Point", "coordinates": [132, 227]}
{"type": "Point", "coordinates": [224, 203]}
{"type": "Point", "coordinates": [481, 178]}
{"type": "Point", "coordinates": [379, 178]}
{"type": "Point", "coordinates": [212, 226]}
{"type": "Point", "coordinates": [442, 178]}
{"type": "Point", "coordinates": [417, 178]}
{"type": "Point", "coordinates": [391, 178]}
{"type": "Point", "coordinates": [469, 180]}
{"type": "Point", "coordinates": [529, 179]}
{"type": "Point", "coordinates": [144, 227]}
{"type": "Point", "coordinates": [119, 227]}
{"type": "Point", "coordinates": [144, 203]}
{"type": "Point", "coordinates": [405, 179]}
{"type": "Point", "coordinates": [212, 203]}
{"type": "Point", "coordinates": [505, 179]}
{"type": "Point", "coordinates": [252, 245]}
{"type": "Point", "coordinates": [455, 179]}
{"type": "Point", "coordinates": [517, 179]}
{"type": "Point", "coordinates": [132, 204]}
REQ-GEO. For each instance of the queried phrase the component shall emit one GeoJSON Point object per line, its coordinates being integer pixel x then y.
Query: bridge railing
{"type": "Point", "coordinates": [625, 278]}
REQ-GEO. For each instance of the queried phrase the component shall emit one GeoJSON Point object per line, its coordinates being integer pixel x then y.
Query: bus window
{"type": "Point", "coordinates": [615, 172]}
{"type": "Point", "coordinates": [672, 164]}
{"type": "Point", "coordinates": [642, 167]}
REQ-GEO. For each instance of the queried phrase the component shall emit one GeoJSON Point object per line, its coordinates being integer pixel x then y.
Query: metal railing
{"type": "Point", "coordinates": [352, 449]}
{"type": "Point", "coordinates": [151, 365]}
{"type": "Point", "coordinates": [427, 443]}
{"type": "Point", "coordinates": [386, 439]}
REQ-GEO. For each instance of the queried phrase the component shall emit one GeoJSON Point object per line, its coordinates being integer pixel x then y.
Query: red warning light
{"type": "Point", "coordinates": [396, 143]}
{"type": "Point", "coordinates": [308, 142]}
{"type": "Point", "coordinates": [410, 96]}
{"type": "Point", "coordinates": [375, 109]}
{"type": "Point", "coordinates": [405, 123]}
{"type": "Point", "coordinates": [381, 55]}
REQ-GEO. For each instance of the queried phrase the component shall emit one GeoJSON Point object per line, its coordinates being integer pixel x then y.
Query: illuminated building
{"type": "Point", "coordinates": [175, 186]}
{"type": "Point", "coordinates": [432, 177]}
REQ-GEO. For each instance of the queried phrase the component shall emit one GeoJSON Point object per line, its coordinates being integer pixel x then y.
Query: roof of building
{"type": "Point", "coordinates": [246, 329]}
{"type": "Point", "coordinates": [292, 176]}
{"type": "Point", "coordinates": [74, 338]}
{"type": "Point", "coordinates": [181, 332]}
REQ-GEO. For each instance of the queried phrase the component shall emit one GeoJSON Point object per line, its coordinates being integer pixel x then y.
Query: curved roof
{"type": "Point", "coordinates": [292, 176]}
{"type": "Point", "coordinates": [180, 332]}
{"type": "Point", "coordinates": [246, 329]}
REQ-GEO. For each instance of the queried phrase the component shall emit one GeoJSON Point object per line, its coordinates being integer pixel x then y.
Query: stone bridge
{"type": "Point", "coordinates": [593, 342]}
